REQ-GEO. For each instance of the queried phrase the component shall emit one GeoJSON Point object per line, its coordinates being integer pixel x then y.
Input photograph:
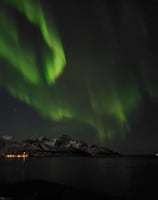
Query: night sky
{"type": "Point", "coordinates": [88, 70]}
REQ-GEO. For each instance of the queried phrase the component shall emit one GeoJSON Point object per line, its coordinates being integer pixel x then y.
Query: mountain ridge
{"type": "Point", "coordinates": [44, 146]}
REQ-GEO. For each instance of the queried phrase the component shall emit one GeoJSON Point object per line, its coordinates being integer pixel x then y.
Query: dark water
{"type": "Point", "coordinates": [127, 177]}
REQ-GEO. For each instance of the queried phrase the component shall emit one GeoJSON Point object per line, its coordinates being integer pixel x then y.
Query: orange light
{"type": "Point", "coordinates": [24, 155]}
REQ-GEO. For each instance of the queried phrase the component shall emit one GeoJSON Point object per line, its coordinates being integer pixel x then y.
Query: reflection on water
{"type": "Point", "coordinates": [120, 176]}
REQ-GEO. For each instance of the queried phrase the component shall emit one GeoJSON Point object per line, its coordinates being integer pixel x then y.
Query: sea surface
{"type": "Point", "coordinates": [123, 176]}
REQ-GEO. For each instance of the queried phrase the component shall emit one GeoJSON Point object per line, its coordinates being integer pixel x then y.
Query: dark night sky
{"type": "Point", "coordinates": [107, 92]}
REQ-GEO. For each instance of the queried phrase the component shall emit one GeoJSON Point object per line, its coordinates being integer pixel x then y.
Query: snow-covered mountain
{"type": "Point", "coordinates": [43, 146]}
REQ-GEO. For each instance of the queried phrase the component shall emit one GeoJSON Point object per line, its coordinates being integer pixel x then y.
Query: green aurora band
{"type": "Point", "coordinates": [106, 107]}
{"type": "Point", "coordinates": [11, 47]}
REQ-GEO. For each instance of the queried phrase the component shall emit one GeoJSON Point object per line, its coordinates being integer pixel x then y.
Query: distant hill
{"type": "Point", "coordinates": [43, 146]}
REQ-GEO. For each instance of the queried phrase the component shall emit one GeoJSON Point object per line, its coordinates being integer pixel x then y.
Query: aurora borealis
{"type": "Point", "coordinates": [95, 67]}
{"type": "Point", "coordinates": [54, 61]}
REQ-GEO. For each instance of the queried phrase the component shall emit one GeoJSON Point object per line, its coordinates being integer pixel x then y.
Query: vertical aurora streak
{"type": "Point", "coordinates": [55, 62]}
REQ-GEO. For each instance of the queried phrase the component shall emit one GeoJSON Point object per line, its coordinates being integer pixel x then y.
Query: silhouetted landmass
{"type": "Point", "coordinates": [43, 146]}
{"type": "Point", "coordinates": [40, 190]}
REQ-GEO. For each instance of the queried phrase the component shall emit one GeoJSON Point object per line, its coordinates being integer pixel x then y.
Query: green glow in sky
{"type": "Point", "coordinates": [102, 102]}
{"type": "Point", "coordinates": [24, 59]}
{"type": "Point", "coordinates": [10, 49]}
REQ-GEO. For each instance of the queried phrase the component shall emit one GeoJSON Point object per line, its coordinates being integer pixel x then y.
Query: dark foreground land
{"type": "Point", "coordinates": [43, 190]}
